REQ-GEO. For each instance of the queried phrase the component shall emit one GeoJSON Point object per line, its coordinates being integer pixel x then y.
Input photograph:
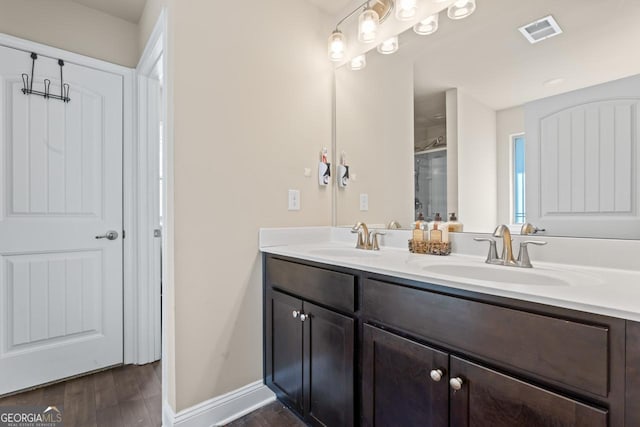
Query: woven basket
{"type": "Point", "coordinates": [429, 248]}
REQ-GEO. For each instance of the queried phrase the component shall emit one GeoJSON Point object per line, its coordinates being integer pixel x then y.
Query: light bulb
{"type": "Point", "coordinates": [427, 26]}
{"type": "Point", "coordinates": [336, 46]}
{"type": "Point", "coordinates": [388, 46]}
{"type": "Point", "coordinates": [461, 9]}
{"type": "Point", "coordinates": [358, 63]}
{"type": "Point", "coordinates": [368, 25]}
{"type": "Point", "coordinates": [406, 9]}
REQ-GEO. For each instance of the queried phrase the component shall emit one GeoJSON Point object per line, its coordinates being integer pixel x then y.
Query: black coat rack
{"type": "Point", "coordinates": [28, 83]}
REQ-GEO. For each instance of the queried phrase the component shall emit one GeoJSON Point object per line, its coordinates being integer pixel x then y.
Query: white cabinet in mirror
{"type": "Point", "coordinates": [475, 119]}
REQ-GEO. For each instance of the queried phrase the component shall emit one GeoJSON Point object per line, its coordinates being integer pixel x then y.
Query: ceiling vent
{"type": "Point", "coordinates": [541, 29]}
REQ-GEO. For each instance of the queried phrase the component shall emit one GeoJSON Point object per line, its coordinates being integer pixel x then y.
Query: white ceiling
{"type": "Point", "coordinates": [486, 57]}
{"type": "Point", "coordinates": [129, 10]}
{"type": "Point", "coordinates": [332, 7]}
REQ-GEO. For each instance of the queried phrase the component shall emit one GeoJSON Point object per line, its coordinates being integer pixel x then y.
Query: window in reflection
{"type": "Point", "coordinates": [518, 183]}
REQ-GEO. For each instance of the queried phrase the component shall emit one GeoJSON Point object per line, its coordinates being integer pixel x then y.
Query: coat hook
{"type": "Point", "coordinates": [25, 83]}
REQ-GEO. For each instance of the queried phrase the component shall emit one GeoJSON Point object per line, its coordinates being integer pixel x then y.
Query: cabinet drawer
{"type": "Point", "coordinates": [327, 287]}
{"type": "Point", "coordinates": [564, 352]}
{"type": "Point", "coordinates": [489, 398]}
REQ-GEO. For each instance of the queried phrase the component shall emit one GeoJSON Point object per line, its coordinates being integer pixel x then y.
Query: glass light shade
{"type": "Point", "coordinates": [388, 46]}
{"type": "Point", "coordinates": [461, 9]}
{"type": "Point", "coordinates": [368, 23]}
{"type": "Point", "coordinates": [358, 63]}
{"type": "Point", "coordinates": [406, 9]}
{"type": "Point", "coordinates": [427, 26]}
{"type": "Point", "coordinates": [336, 46]}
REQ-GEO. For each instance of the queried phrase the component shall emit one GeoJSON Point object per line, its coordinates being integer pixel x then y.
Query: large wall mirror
{"type": "Point", "coordinates": [478, 120]}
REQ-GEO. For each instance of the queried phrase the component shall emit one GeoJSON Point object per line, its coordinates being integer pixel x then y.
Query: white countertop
{"type": "Point", "coordinates": [605, 291]}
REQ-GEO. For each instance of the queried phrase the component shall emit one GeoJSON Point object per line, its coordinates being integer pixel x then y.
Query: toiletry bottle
{"type": "Point", "coordinates": [435, 235]}
{"type": "Point", "coordinates": [418, 234]}
{"type": "Point", "coordinates": [436, 220]}
{"type": "Point", "coordinates": [454, 225]}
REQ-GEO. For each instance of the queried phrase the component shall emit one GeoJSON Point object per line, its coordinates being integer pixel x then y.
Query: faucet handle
{"type": "Point", "coordinates": [523, 255]}
{"type": "Point", "coordinates": [492, 256]}
{"type": "Point", "coordinates": [373, 239]}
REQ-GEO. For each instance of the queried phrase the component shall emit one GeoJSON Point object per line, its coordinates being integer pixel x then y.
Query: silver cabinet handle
{"type": "Point", "coordinates": [456, 383]}
{"type": "Point", "coordinates": [295, 314]}
{"type": "Point", "coordinates": [109, 235]}
{"type": "Point", "coordinates": [303, 317]}
{"type": "Point", "coordinates": [436, 374]}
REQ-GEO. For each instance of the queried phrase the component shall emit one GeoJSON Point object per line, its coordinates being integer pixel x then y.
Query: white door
{"type": "Point", "coordinates": [61, 186]}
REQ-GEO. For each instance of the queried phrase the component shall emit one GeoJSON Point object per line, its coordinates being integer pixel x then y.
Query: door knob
{"type": "Point", "coordinates": [436, 374]}
{"type": "Point", "coordinates": [456, 383]}
{"type": "Point", "coordinates": [109, 235]}
{"type": "Point", "coordinates": [303, 317]}
{"type": "Point", "coordinates": [295, 314]}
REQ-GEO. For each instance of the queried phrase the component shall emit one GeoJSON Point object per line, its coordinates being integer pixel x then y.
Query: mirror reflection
{"type": "Point", "coordinates": [522, 112]}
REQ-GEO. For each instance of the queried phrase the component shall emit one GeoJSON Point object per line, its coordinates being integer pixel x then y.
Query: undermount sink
{"type": "Point", "coordinates": [508, 275]}
{"type": "Point", "coordinates": [344, 252]}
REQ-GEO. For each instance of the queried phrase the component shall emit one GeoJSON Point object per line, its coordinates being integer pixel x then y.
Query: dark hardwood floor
{"type": "Point", "coordinates": [272, 415]}
{"type": "Point", "coordinates": [120, 397]}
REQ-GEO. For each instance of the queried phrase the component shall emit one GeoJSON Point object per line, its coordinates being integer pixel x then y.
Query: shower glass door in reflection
{"type": "Point", "coordinates": [430, 171]}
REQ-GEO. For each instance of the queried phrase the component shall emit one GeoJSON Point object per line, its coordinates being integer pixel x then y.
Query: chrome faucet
{"type": "Point", "coordinates": [529, 228]}
{"type": "Point", "coordinates": [507, 249]}
{"type": "Point", "coordinates": [367, 240]}
{"type": "Point", "coordinates": [363, 235]}
{"type": "Point", "coordinates": [393, 224]}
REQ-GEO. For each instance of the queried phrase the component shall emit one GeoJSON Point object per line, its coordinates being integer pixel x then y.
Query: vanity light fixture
{"type": "Point", "coordinates": [336, 46]}
{"type": "Point", "coordinates": [388, 46]}
{"type": "Point", "coordinates": [358, 63]}
{"type": "Point", "coordinates": [406, 9]}
{"type": "Point", "coordinates": [427, 26]}
{"type": "Point", "coordinates": [368, 23]}
{"type": "Point", "coordinates": [372, 14]}
{"type": "Point", "coordinates": [461, 9]}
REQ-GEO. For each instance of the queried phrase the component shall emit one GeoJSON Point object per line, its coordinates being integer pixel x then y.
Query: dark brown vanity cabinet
{"type": "Point", "coordinates": [309, 351]}
{"type": "Point", "coordinates": [483, 397]}
{"type": "Point", "coordinates": [402, 381]}
{"type": "Point", "coordinates": [382, 351]}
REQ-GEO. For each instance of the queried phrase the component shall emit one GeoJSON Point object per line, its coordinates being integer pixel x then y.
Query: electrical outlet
{"type": "Point", "coordinates": [364, 202]}
{"type": "Point", "coordinates": [294, 200]}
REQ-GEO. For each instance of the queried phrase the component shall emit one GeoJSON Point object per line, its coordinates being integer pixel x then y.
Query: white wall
{"type": "Point", "coordinates": [374, 127]}
{"type": "Point", "coordinates": [73, 27]}
{"type": "Point", "coordinates": [477, 164]}
{"type": "Point", "coordinates": [509, 122]}
{"type": "Point", "coordinates": [252, 109]}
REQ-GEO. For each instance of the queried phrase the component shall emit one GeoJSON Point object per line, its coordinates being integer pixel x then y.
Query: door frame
{"type": "Point", "coordinates": [132, 250]}
{"type": "Point", "coordinates": [146, 348]}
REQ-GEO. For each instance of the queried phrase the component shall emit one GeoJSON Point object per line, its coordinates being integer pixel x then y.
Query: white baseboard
{"type": "Point", "coordinates": [220, 410]}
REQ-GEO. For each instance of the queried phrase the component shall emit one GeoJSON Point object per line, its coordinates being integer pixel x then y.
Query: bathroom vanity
{"type": "Point", "coordinates": [350, 346]}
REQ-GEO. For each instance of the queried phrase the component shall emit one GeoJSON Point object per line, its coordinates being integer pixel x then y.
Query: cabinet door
{"type": "Point", "coordinates": [329, 370]}
{"type": "Point", "coordinates": [397, 387]}
{"type": "Point", "coordinates": [284, 348]}
{"type": "Point", "coordinates": [489, 398]}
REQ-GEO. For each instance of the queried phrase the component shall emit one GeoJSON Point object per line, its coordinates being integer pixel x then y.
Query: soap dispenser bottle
{"type": "Point", "coordinates": [454, 225]}
{"type": "Point", "coordinates": [418, 234]}
{"type": "Point", "coordinates": [435, 235]}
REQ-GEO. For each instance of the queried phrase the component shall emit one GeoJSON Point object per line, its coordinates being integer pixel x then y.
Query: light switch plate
{"type": "Point", "coordinates": [294, 200]}
{"type": "Point", "coordinates": [364, 202]}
